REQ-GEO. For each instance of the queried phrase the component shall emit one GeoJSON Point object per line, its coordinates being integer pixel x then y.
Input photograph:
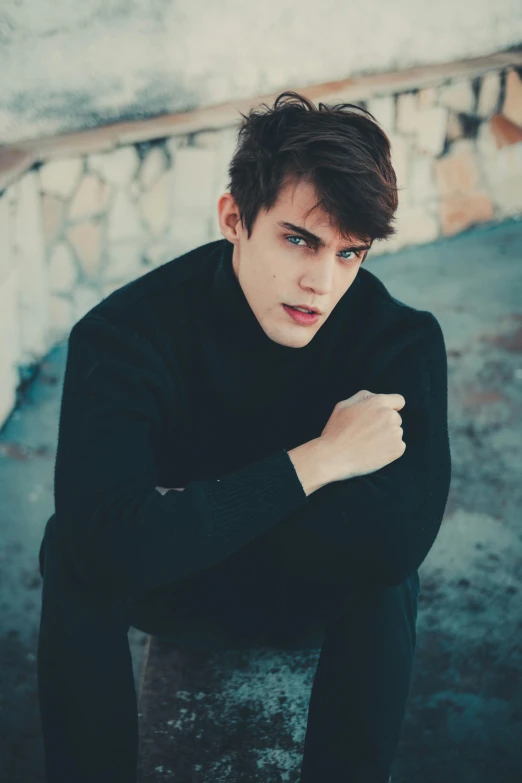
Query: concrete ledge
{"type": "Point", "coordinates": [13, 163]}
{"type": "Point", "coordinates": [107, 137]}
{"type": "Point", "coordinates": [226, 715]}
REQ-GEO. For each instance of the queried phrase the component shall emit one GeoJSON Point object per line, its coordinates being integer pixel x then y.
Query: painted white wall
{"type": "Point", "coordinates": [66, 65]}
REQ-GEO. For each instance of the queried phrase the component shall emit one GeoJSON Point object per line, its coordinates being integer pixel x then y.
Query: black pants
{"type": "Point", "coordinates": [86, 686]}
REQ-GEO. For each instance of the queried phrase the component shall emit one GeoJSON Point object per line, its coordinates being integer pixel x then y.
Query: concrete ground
{"type": "Point", "coordinates": [464, 720]}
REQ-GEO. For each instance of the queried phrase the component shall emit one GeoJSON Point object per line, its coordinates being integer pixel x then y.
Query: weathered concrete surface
{"type": "Point", "coordinates": [66, 66]}
{"type": "Point", "coordinates": [464, 719]}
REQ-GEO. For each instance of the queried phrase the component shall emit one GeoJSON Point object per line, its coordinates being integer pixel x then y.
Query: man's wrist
{"type": "Point", "coordinates": [310, 464]}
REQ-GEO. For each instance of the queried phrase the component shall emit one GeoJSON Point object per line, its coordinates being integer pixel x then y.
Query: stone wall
{"type": "Point", "coordinates": [75, 228]}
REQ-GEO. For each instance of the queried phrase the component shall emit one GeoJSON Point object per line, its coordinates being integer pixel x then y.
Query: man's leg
{"type": "Point", "coordinates": [87, 697]}
{"type": "Point", "coordinates": [361, 685]}
{"type": "Point", "coordinates": [86, 687]}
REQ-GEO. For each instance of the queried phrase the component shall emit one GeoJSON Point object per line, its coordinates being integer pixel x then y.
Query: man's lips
{"type": "Point", "coordinates": [306, 307]}
{"type": "Point", "coordinates": [300, 317]}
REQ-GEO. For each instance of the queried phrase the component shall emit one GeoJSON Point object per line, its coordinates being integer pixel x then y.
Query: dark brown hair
{"type": "Point", "coordinates": [340, 149]}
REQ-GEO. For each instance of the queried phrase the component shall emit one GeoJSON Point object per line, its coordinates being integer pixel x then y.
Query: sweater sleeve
{"type": "Point", "coordinates": [379, 528]}
{"type": "Point", "coordinates": [120, 534]}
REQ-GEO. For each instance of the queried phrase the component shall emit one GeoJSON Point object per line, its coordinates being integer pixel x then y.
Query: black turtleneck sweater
{"type": "Point", "coordinates": [171, 381]}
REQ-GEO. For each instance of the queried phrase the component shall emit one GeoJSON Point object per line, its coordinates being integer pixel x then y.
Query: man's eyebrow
{"type": "Point", "coordinates": [314, 238]}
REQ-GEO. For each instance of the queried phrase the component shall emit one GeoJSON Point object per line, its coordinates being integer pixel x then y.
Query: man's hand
{"type": "Point", "coordinates": [364, 434]}
{"type": "Point", "coordinates": [164, 490]}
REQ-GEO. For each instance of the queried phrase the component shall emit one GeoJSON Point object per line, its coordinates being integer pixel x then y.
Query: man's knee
{"type": "Point", "coordinates": [385, 604]}
{"type": "Point", "coordinates": [66, 598]}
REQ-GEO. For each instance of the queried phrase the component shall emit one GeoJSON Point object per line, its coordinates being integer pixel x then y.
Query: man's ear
{"type": "Point", "coordinates": [228, 216]}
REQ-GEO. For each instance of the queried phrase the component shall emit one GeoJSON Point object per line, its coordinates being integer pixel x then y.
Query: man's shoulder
{"type": "Point", "coordinates": [390, 327]}
{"type": "Point", "coordinates": [159, 292]}
{"type": "Point", "coordinates": [388, 313]}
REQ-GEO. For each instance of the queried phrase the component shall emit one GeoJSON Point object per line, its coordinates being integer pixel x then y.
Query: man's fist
{"type": "Point", "coordinates": [363, 434]}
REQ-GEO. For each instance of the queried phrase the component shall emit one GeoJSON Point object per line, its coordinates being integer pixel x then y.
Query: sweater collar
{"type": "Point", "coordinates": [234, 317]}
{"type": "Point", "coordinates": [249, 369]}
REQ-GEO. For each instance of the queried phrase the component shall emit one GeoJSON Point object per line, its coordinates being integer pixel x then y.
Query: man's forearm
{"type": "Point", "coordinates": [308, 461]}
{"type": "Point", "coordinates": [310, 465]}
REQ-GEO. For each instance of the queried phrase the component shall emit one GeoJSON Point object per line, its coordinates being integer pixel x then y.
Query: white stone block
{"type": "Point", "coordinates": [415, 225]}
{"type": "Point", "coordinates": [489, 94]}
{"type": "Point", "coordinates": [431, 129]}
{"type": "Point", "coordinates": [486, 144]}
{"type": "Point", "coordinates": [379, 247]}
{"type": "Point", "coordinates": [505, 179]}
{"type": "Point", "coordinates": [173, 144]}
{"type": "Point", "coordinates": [155, 204]}
{"type": "Point", "coordinates": [187, 232]}
{"type": "Point", "coordinates": [118, 167]}
{"type": "Point", "coordinates": [84, 299]}
{"type": "Point", "coordinates": [427, 96]}
{"type": "Point", "coordinates": [13, 192]}
{"type": "Point", "coordinates": [215, 230]}
{"type": "Point", "coordinates": [62, 316]}
{"type": "Point", "coordinates": [6, 239]}
{"type": "Point", "coordinates": [193, 181]}
{"type": "Point", "coordinates": [462, 146]}
{"type": "Point", "coordinates": [91, 198]}
{"type": "Point", "coordinates": [159, 253]}
{"type": "Point", "coordinates": [508, 198]}
{"type": "Point", "coordinates": [226, 149]}
{"type": "Point", "coordinates": [134, 190]}
{"type": "Point", "coordinates": [124, 220]}
{"type": "Point", "coordinates": [208, 139]}
{"type": "Point", "coordinates": [61, 177]}
{"type": "Point", "coordinates": [491, 168]}
{"type": "Point", "coordinates": [228, 142]}
{"type": "Point", "coordinates": [9, 343]}
{"type": "Point", "coordinates": [63, 272]}
{"type": "Point", "coordinates": [419, 226]}
{"type": "Point", "coordinates": [33, 272]}
{"type": "Point", "coordinates": [455, 129]}
{"type": "Point", "coordinates": [407, 113]}
{"type": "Point", "coordinates": [152, 167]}
{"type": "Point", "coordinates": [400, 150]}
{"type": "Point", "coordinates": [87, 243]}
{"type": "Point", "coordinates": [214, 227]}
{"type": "Point", "coordinates": [510, 160]}
{"type": "Point", "coordinates": [458, 96]}
{"type": "Point", "coordinates": [512, 107]}
{"type": "Point", "coordinates": [383, 109]}
{"type": "Point", "coordinates": [109, 287]}
{"type": "Point", "coordinates": [124, 261]}
{"type": "Point", "coordinates": [422, 184]}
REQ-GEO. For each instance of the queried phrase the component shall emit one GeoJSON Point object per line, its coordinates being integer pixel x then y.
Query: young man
{"type": "Point", "coordinates": [304, 496]}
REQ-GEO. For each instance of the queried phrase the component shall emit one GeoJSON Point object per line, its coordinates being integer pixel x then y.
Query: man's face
{"type": "Point", "coordinates": [281, 266]}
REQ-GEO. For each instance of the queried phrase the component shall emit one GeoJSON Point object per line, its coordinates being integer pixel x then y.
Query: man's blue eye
{"type": "Point", "coordinates": [306, 243]}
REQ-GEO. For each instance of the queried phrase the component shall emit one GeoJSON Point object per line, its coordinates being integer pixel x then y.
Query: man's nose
{"type": "Point", "coordinates": [319, 279]}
